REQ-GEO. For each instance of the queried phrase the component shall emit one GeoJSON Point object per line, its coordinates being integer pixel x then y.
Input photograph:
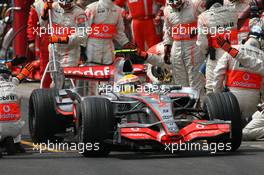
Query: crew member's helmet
{"type": "Point", "coordinates": [5, 73]}
{"type": "Point", "coordinates": [257, 33]}
{"type": "Point", "coordinates": [66, 4]}
{"type": "Point", "coordinates": [128, 84]}
{"type": "Point", "coordinates": [160, 74]}
{"type": "Point", "coordinates": [210, 3]}
{"type": "Point", "coordinates": [175, 3]}
{"type": "Point", "coordinates": [233, 1]}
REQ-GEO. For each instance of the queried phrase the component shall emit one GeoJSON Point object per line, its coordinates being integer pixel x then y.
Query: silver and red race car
{"type": "Point", "coordinates": [158, 116]}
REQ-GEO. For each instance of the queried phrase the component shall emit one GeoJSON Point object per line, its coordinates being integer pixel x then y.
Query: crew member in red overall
{"type": "Point", "coordinates": [143, 20]}
{"type": "Point", "coordinates": [38, 42]}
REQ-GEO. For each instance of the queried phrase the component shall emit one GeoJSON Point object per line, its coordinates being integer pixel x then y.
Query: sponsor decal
{"type": "Point", "coordinates": [9, 112]}
{"type": "Point", "coordinates": [246, 76]}
{"type": "Point", "coordinates": [6, 108]}
{"type": "Point", "coordinates": [7, 86]}
{"type": "Point", "coordinates": [8, 98]}
{"type": "Point", "coordinates": [199, 126]}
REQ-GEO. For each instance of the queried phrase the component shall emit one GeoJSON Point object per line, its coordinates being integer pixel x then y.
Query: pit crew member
{"type": "Point", "coordinates": [180, 47]}
{"type": "Point", "coordinates": [216, 20]}
{"type": "Point", "coordinates": [144, 19]}
{"type": "Point", "coordinates": [244, 83]}
{"type": "Point", "coordinates": [38, 43]}
{"type": "Point", "coordinates": [11, 123]}
{"type": "Point", "coordinates": [69, 26]}
{"type": "Point", "coordinates": [247, 58]}
{"type": "Point", "coordinates": [105, 19]}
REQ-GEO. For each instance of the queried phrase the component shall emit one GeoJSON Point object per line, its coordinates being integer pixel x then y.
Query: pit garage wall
{"type": "Point", "coordinates": [20, 24]}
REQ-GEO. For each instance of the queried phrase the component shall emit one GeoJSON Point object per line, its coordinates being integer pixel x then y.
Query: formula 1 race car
{"type": "Point", "coordinates": [156, 116]}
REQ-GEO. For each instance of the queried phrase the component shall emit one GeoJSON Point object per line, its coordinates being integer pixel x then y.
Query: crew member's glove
{"type": "Point", "coordinates": [59, 39]}
{"type": "Point", "coordinates": [25, 72]}
{"type": "Point", "coordinates": [142, 54]}
{"type": "Point", "coordinates": [126, 15]}
{"type": "Point", "coordinates": [83, 57]}
{"type": "Point", "coordinates": [129, 45]}
{"type": "Point", "coordinates": [225, 45]}
{"type": "Point", "coordinates": [167, 51]}
{"type": "Point", "coordinates": [31, 47]}
{"type": "Point", "coordinates": [157, 19]}
{"type": "Point", "coordinates": [47, 7]}
{"type": "Point", "coordinates": [260, 107]}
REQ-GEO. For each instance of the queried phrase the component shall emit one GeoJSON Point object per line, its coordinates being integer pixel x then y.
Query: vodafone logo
{"type": "Point", "coordinates": [6, 108]}
{"type": "Point", "coordinates": [90, 72]}
{"type": "Point", "coordinates": [105, 28]}
{"type": "Point", "coordinates": [246, 76]}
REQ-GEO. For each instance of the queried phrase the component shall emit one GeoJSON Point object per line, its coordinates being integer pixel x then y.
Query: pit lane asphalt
{"type": "Point", "coordinates": [248, 160]}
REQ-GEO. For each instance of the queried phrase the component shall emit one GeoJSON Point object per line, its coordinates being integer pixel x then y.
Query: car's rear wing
{"type": "Point", "coordinates": [99, 72]}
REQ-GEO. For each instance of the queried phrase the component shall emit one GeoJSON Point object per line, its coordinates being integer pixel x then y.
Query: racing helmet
{"type": "Point", "coordinates": [66, 4]}
{"type": "Point", "coordinates": [128, 84]}
{"type": "Point", "coordinates": [159, 74]}
{"type": "Point", "coordinates": [5, 73]}
{"type": "Point", "coordinates": [175, 3]}
{"type": "Point", "coordinates": [256, 37]}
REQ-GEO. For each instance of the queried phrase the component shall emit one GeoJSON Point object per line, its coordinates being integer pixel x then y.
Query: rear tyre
{"type": "Point", "coordinates": [224, 106]}
{"type": "Point", "coordinates": [44, 122]}
{"type": "Point", "coordinates": [96, 125]}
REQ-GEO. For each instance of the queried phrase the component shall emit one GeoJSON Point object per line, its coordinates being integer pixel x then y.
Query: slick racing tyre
{"type": "Point", "coordinates": [96, 125]}
{"type": "Point", "coordinates": [44, 122]}
{"type": "Point", "coordinates": [224, 106]}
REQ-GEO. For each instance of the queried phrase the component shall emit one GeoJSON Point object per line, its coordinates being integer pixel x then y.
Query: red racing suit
{"type": "Point", "coordinates": [41, 42]}
{"type": "Point", "coordinates": [143, 13]}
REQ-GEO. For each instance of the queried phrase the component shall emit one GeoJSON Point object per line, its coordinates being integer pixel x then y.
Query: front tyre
{"type": "Point", "coordinates": [44, 122]}
{"type": "Point", "coordinates": [224, 106]}
{"type": "Point", "coordinates": [96, 125]}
